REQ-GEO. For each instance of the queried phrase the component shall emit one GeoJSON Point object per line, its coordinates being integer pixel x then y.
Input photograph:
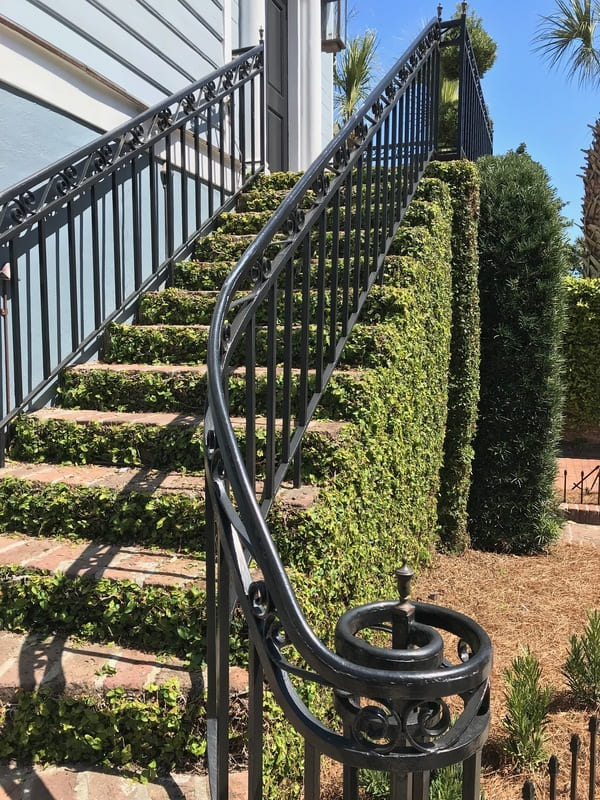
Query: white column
{"type": "Point", "coordinates": [304, 68]}
{"type": "Point", "coordinates": [252, 17]}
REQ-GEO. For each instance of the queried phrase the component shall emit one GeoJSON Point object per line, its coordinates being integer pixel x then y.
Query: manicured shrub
{"type": "Point", "coordinates": [512, 506]}
{"type": "Point", "coordinates": [463, 381]}
{"type": "Point", "coordinates": [527, 708]}
{"type": "Point", "coordinates": [582, 667]}
{"type": "Point", "coordinates": [582, 353]}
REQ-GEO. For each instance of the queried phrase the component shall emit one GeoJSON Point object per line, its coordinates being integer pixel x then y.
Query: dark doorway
{"type": "Point", "coordinates": [277, 84]}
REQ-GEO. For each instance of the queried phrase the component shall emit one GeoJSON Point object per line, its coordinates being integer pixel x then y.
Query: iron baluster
{"type": "Point", "coordinates": [575, 747]}
{"type": "Point", "coordinates": [593, 729]}
{"type": "Point", "coordinates": [553, 773]}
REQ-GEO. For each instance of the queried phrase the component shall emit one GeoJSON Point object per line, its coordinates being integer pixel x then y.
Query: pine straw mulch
{"type": "Point", "coordinates": [536, 601]}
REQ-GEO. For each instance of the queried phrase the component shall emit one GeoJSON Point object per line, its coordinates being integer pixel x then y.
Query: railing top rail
{"type": "Point", "coordinates": [139, 119]}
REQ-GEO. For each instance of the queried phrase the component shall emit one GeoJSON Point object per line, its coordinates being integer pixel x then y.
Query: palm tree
{"type": "Point", "coordinates": [569, 36]}
{"type": "Point", "coordinates": [353, 74]}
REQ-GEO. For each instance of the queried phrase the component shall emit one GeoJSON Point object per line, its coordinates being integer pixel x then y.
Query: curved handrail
{"type": "Point", "coordinates": [223, 457]}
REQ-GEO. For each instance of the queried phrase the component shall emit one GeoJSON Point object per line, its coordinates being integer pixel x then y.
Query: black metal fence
{"type": "Point", "coordinates": [288, 309]}
{"type": "Point", "coordinates": [81, 239]}
{"type": "Point", "coordinates": [578, 786]}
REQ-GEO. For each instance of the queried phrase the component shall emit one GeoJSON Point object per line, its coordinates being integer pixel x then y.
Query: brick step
{"type": "Point", "coordinates": [143, 566]}
{"type": "Point", "coordinates": [102, 704]}
{"type": "Point", "coordinates": [159, 440]}
{"type": "Point", "coordinates": [166, 387]}
{"type": "Point", "coordinates": [201, 275]}
{"type": "Point", "coordinates": [76, 782]}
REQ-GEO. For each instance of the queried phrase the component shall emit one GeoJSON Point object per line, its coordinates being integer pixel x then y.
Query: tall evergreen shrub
{"type": "Point", "coordinates": [522, 259]}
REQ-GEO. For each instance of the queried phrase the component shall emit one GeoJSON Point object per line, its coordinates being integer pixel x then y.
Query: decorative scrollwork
{"type": "Point", "coordinates": [66, 180]}
{"type": "Point", "coordinates": [275, 633]}
{"type": "Point", "coordinates": [390, 91]}
{"type": "Point", "coordinates": [22, 207]}
{"type": "Point", "coordinates": [377, 109]}
{"type": "Point", "coordinates": [134, 138]}
{"type": "Point", "coordinates": [255, 273]}
{"type": "Point", "coordinates": [260, 600]}
{"type": "Point", "coordinates": [340, 158]}
{"type": "Point", "coordinates": [189, 103]}
{"type": "Point", "coordinates": [266, 268]}
{"type": "Point", "coordinates": [377, 728]}
{"type": "Point", "coordinates": [228, 79]}
{"type": "Point", "coordinates": [425, 722]}
{"type": "Point", "coordinates": [464, 651]}
{"type": "Point", "coordinates": [164, 119]}
{"type": "Point", "coordinates": [209, 90]}
{"type": "Point", "coordinates": [102, 158]}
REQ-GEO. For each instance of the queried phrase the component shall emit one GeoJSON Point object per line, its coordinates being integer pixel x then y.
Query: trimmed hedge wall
{"type": "Point", "coordinates": [582, 353]}
{"type": "Point", "coordinates": [463, 386]}
{"type": "Point", "coordinates": [512, 505]}
{"type": "Point", "coordinates": [381, 504]}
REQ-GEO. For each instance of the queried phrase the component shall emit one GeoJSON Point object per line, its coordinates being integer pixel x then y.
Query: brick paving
{"type": "Point", "coordinates": [140, 564]}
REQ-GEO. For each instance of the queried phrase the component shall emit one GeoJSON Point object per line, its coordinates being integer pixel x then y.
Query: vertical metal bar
{"type": "Point", "coordinates": [271, 410]}
{"type": "Point", "coordinates": [575, 747]}
{"type": "Point", "coordinates": [262, 112]}
{"type": "Point", "coordinates": [565, 487]}
{"type": "Point", "coordinates": [96, 258]}
{"type": "Point", "coordinates": [377, 200]}
{"type": "Point", "coordinates": [386, 177]}
{"type": "Point", "coordinates": [209, 146]}
{"type": "Point", "coordinates": [211, 643]}
{"type": "Point", "coordinates": [223, 626]}
{"type": "Point", "coordinates": [154, 205]}
{"type": "Point", "coordinates": [347, 252]}
{"type": "Point", "coordinates": [44, 299]}
{"type": "Point", "coordinates": [593, 728]}
{"type": "Point", "coordinates": [73, 275]}
{"type": "Point", "coordinates": [169, 211]}
{"type": "Point", "coordinates": [436, 96]}
{"type": "Point", "coordinates": [471, 788]}
{"type": "Point", "coordinates": [393, 170]}
{"type": "Point", "coordinates": [420, 786]}
{"type": "Point", "coordinates": [242, 129]}
{"type": "Point", "coordinates": [184, 189]}
{"type": "Point", "coordinates": [312, 772]}
{"type": "Point", "coordinates": [401, 786]}
{"type": "Point", "coordinates": [136, 218]}
{"type": "Point", "coordinates": [222, 113]}
{"type": "Point", "coordinates": [320, 315]}
{"type": "Point", "coordinates": [462, 58]}
{"type": "Point", "coordinates": [250, 404]}
{"type": "Point", "coordinates": [334, 277]}
{"type": "Point", "coordinates": [232, 140]}
{"type": "Point", "coordinates": [15, 309]}
{"type": "Point", "coordinates": [304, 352]}
{"type": "Point", "coordinates": [406, 149]}
{"type": "Point", "coordinates": [367, 244]}
{"type": "Point", "coordinates": [528, 791]}
{"type": "Point", "coordinates": [255, 725]}
{"type": "Point", "coordinates": [197, 172]}
{"type": "Point", "coordinates": [581, 488]}
{"type": "Point", "coordinates": [252, 117]}
{"type": "Point", "coordinates": [288, 322]}
{"type": "Point", "coordinates": [116, 220]}
{"type": "Point", "coordinates": [553, 773]}
{"type": "Point", "coordinates": [358, 232]}
{"type": "Point", "coordinates": [400, 160]}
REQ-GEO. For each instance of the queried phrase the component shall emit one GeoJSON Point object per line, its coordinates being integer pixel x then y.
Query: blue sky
{"type": "Point", "coordinates": [528, 102]}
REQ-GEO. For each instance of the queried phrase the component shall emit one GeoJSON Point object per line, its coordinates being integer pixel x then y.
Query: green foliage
{"type": "Point", "coordinates": [353, 74]}
{"type": "Point", "coordinates": [166, 520]}
{"type": "Point", "coordinates": [512, 505]}
{"type": "Point", "coordinates": [527, 709]}
{"type": "Point", "coordinates": [152, 734]}
{"type": "Point", "coordinates": [463, 383]}
{"type": "Point", "coordinates": [167, 344]}
{"type": "Point", "coordinates": [582, 667]}
{"type": "Point", "coordinates": [176, 307]}
{"type": "Point", "coordinates": [582, 353]}
{"type": "Point", "coordinates": [154, 618]}
{"type": "Point", "coordinates": [201, 275]}
{"type": "Point", "coordinates": [241, 222]}
{"type": "Point", "coordinates": [484, 48]}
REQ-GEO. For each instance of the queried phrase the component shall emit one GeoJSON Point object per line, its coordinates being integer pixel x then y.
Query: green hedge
{"type": "Point", "coordinates": [381, 504]}
{"type": "Point", "coordinates": [582, 353]}
{"type": "Point", "coordinates": [462, 178]}
{"type": "Point", "coordinates": [512, 504]}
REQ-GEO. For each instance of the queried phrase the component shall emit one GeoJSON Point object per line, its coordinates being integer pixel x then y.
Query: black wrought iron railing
{"type": "Point", "coordinates": [289, 307]}
{"type": "Point", "coordinates": [80, 240]}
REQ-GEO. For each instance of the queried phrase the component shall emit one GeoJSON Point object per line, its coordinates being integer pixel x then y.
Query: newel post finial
{"type": "Point", "coordinates": [439, 11]}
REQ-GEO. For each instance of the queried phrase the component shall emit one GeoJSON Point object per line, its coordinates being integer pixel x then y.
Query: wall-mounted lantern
{"type": "Point", "coordinates": [333, 25]}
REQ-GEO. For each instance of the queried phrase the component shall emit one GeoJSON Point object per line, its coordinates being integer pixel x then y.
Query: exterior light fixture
{"type": "Point", "coordinates": [333, 25]}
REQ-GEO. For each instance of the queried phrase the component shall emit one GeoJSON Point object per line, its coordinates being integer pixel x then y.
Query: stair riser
{"type": "Point", "coordinates": [172, 345]}
{"type": "Point", "coordinates": [173, 448]}
{"type": "Point", "coordinates": [75, 512]}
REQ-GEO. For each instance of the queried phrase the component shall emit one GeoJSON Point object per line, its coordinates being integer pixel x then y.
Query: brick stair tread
{"type": "Point", "coordinates": [70, 667]}
{"type": "Point", "coordinates": [79, 782]}
{"type": "Point", "coordinates": [85, 415]}
{"type": "Point", "coordinates": [119, 479]}
{"type": "Point", "coordinates": [142, 565]}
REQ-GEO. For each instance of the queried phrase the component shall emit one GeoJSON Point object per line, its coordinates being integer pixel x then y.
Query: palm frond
{"type": "Point", "coordinates": [568, 36]}
{"type": "Point", "coordinates": [353, 74]}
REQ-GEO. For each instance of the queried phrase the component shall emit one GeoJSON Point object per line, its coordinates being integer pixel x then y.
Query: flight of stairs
{"type": "Point", "coordinates": [101, 547]}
